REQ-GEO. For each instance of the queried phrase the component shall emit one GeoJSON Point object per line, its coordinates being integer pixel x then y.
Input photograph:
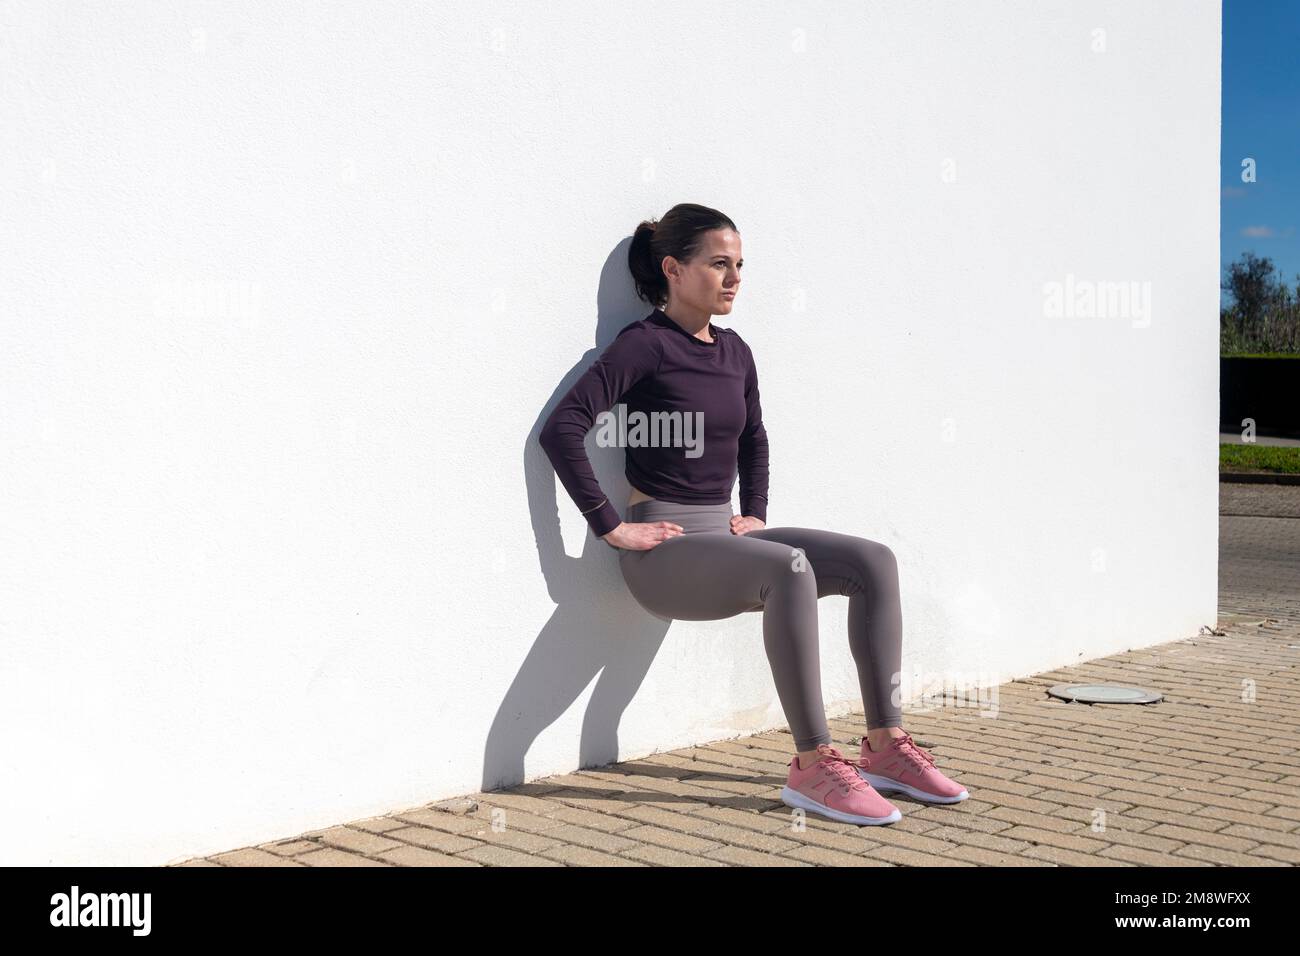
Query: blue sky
{"type": "Point", "coordinates": [1261, 120]}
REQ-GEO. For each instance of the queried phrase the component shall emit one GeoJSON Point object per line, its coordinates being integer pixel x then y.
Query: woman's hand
{"type": "Point", "coordinates": [642, 535]}
{"type": "Point", "coordinates": [745, 524]}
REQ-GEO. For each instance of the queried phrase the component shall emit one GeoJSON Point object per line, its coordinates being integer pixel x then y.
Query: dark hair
{"type": "Point", "coordinates": [677, 234]}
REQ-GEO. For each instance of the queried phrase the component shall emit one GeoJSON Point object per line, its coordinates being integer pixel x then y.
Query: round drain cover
{"type": "Point", "coordinates": [1104, 693]}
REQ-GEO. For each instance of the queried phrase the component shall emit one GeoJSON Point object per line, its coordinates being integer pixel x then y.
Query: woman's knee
{"type": "Point", "coordinates": [874, 554]}
{"type": "Point", "coordinates": [877, 564]}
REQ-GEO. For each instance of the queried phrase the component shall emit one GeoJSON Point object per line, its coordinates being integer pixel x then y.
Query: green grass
{"type": "Point", "coordinates": [1259, 458]}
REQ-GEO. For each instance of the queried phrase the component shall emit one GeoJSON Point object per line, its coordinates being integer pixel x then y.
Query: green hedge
{"type": "Point", "coordinates": [1290, 355]}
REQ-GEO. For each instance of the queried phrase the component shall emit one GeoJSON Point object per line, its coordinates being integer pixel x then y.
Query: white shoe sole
{"type": "Point", "coordinates": [885, 783]}
{"type": "Point", "coordinates": [793, 798]}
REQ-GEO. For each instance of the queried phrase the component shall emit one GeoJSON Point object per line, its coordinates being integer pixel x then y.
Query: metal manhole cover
{"type": "Point", "coordinates": [1104, 693]}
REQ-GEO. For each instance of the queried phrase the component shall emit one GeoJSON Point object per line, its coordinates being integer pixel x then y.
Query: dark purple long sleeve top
{"type": "Point", "coordinates": [709, 430]}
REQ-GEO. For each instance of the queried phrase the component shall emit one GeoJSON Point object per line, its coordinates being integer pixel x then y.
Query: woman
{"type": "Point", "coordinates": [683, 553]}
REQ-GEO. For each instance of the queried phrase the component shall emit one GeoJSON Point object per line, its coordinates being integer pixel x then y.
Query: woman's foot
{"type": "Point", "coordinates": [883, 737]}
{"type": "Point", "coordinates": [833, 788]}
{"type": "Point", "coordinates": [903, 767]}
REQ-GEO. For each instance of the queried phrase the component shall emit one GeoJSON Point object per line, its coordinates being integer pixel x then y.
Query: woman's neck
{"type": "Point", "coordinates": [692, 321]}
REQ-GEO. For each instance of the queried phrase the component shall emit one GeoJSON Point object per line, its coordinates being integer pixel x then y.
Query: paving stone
{"type": "Point", "coordinates": [1201, 779]}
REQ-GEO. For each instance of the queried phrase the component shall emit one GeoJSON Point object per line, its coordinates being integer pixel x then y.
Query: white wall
{"type": "Point", "coordinates": [287, 554]}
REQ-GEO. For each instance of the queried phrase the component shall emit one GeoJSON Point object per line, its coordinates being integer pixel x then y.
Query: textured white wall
{"type": "Point", "coordinates": [290, 289]}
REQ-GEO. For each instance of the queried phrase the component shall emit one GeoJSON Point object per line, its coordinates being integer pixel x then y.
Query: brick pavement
{"type": "Point", "coordinates": [1210, 776]}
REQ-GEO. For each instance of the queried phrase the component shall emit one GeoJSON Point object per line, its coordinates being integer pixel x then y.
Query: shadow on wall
{"type": "Point", "coordinates": [597, 627]}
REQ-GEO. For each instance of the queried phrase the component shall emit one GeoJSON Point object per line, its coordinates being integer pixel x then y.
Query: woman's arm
{"type": "Point", "coordinates": [632, 356]}
{"type": "Point", "coordinates": [753, 454]}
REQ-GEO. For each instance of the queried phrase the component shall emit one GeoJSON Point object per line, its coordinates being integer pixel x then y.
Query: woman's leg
{"type": "Point", "coordinates": [867, 573]}
{"type": "Point", "coordinates": [712, 575]}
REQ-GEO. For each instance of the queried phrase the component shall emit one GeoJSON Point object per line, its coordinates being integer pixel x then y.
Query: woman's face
{"type": "Point", "coordinates": [710, 281]}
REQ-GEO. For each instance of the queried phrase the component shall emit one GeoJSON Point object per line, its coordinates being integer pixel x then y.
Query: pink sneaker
{"type": "Point", "coordinates": [904, 767]}
{"type": "Point", "coordinates": [832, 788]}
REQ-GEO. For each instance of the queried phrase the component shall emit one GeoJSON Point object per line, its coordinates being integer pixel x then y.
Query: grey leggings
{"type": "Point", "coordinates": [708, 573]}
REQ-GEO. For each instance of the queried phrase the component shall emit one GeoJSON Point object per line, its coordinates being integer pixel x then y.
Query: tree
{"type": "Point", "coordinates": [1250, 283]}
{"type": "Point", "coordinates": [1265, 313]}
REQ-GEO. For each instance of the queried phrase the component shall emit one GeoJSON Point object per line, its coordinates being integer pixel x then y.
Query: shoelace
{"type": "Point", "coordinates": [909, 750]}
{"type": "Point", "coordinates": [920, 759]}
{"type": "Point", "coordinates": [843, 768]}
